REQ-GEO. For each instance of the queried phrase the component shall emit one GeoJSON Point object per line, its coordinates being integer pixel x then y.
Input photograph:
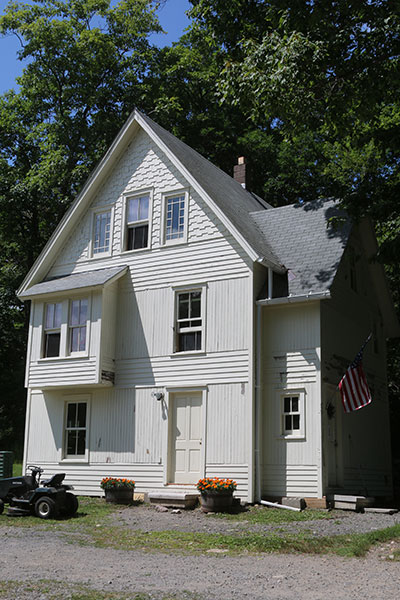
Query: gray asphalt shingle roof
{"type": "Point", "coordinates": [305, 243]}
{"type": "Point", "coordinates": [235, 202]}
{"type": "Point", "coordinates": [73, 282]}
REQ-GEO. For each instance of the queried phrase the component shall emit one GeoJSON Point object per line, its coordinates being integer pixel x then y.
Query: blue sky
{"type": "Point", "coordinates": [172, 18]}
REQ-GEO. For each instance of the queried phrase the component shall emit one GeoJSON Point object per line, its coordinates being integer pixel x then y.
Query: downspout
{"type": "Point", "coordinates": [259, 388]}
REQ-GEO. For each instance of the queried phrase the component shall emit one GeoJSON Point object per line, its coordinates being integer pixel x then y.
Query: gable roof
{"type": "Point", "coordinates": [310, 247]}
{"type": "Point", "coordinates": [229, 196]}
{"type": "Point", "coordinates": [229, 201]}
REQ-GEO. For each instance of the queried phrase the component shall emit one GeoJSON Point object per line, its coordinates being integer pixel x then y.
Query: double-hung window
{"type": "Point", "coordinates": [102, 232]}
{"type": "Point", "coordinates": [52, 330]}
{"type": "Point", "coordinates": [189, 321]}
{"type": "Point", "coordinates": [292, 414]}
{"type": "Point", "coordinates": [76, 429]}
{"type": "Point", "coordinates": [175, 218]}
{"type": "Point", "coordinates": [137, 222]}
{"type": "Point", "coordinates": [78, 325]}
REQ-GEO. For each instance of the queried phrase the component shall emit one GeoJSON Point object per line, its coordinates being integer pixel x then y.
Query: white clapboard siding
{"type": "Point", "coordinates": [216, 367]}
{"type": "Point", "coordinates": [279, 480]}
{"type": "Point", "coordinates": [56, 373]}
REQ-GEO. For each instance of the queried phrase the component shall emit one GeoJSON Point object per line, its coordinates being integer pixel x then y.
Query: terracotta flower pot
{"type": "Point", "coordinates": [119, 495]}
{"type": "Point", "coordinates": [216, 502]}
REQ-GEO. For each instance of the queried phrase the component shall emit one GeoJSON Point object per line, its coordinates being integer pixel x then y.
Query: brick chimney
{"type": "Point", "coordinates": [239, 171]}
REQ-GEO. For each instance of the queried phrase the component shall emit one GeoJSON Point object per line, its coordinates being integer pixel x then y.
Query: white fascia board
{"type": "Point", "coordinates": [194, 183]}
{"type": "Point", "coordinates": [79, 205]}
{"type": "Point", "coordinates": [294, 299]}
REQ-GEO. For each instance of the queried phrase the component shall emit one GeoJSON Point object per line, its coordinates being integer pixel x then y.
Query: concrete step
{"type": "Point", "coordinates": [174, 498]}
{"type": "Point", "coordinates": [348, 502]}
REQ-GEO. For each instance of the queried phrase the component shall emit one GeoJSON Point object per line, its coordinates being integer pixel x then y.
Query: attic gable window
{"type": "Point", "coordinates": [175, 218]}
{"type": "Point", "coordinates": [52, 330]}
{"type": "Point", "coordinates": [102, 232]}
{"type": "Point", "coordinates": [137, 222]}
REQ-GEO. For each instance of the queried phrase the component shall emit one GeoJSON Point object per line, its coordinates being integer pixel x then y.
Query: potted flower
{"type": "Point", "coordinates": [118, 490]}
{"type": "Point", "coordinates": [216, 495]}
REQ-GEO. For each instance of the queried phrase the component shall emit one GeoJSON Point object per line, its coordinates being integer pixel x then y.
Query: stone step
{"type": "Point", "coordinates": [348, 502]}
{"type": "Point", "coordinates": [174, 498]}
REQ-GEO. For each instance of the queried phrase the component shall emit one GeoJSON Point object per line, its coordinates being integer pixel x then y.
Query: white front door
{"type": "Point", "coordinates": [185, 438]}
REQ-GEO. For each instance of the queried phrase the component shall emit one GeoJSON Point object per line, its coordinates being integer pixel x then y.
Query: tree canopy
{"type": "Point", "coordinates": [307, 91]}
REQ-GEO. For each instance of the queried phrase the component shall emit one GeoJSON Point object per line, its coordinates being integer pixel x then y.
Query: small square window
{"type": "Point", "coordinates": [292, 414]}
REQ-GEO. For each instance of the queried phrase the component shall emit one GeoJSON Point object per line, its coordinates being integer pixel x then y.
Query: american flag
{"type": "Point", "coordinates": [353, 385]}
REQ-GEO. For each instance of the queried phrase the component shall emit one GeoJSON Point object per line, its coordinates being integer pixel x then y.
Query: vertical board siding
{"type": "Point", "coordinates": [239, 473]}
{"type": "Point", "coordinates": [226, 300]}
{"type": "Point", "coordinates": [346, 320]}
{"type": "Point", "coordinates": [291, 361]}
{"type": "Point", "coordinates": [227, 424]}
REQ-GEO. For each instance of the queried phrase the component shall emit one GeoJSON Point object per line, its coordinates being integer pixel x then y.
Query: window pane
{"type": "Point", "coordinates": [75, 312]}
{"type": "Point", "coordinates": [81, 445]}
{"type": "Point", "coordinates": [75, 339]}
{"type": "Point", "coordinates": [133, 210]}
{"type": "Point", "coordinates": [82, 339]}
{"type": "Point", "coordinates": [52, 345]}
{"type": "Point", "coordinates": [189, 341]}
{"type": "Point", "coordinates": [71, 415]}
{"type": "Point", "coordinates": [295, 404]}
{"type": "Point", "coordinates": [288, 422]}
{"type": "Point", "coordinates": [183, 310]}
{"type": "Point", "coordinates": [195, 305]}
{"type": "Point", "coordinates": [144, 208]}
{"type": "Point", "coordinates": [102, 232]}
{"type": "Point", "coordinates": [286, 405]}
{"type": "Point", "coordinates": [57, 315]}
{"type": "Point", "coordinates": [81, 422]}
{"type": "Point", "coordinates": [175, 220]}
{"type": "Point", "coordinates": [83, 312]}
{"type": "Point", "coordinates": [71, 442]}
{"type": "Point", "coordinates": [49, 316]}
{"type": "Point", "coordinates": [137, 237]}
{"type": "Point", "coordinates": [296, 421]}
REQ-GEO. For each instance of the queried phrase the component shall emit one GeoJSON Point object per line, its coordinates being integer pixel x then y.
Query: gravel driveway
{"type": "Point", "coordinates": [27, 553]}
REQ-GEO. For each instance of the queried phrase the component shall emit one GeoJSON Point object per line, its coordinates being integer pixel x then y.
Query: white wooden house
{"type": "Point", "coordinates": [181, 327]}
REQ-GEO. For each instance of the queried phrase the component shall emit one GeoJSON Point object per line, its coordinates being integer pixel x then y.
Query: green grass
{"type": "Point", "coordinates": [256, 514]}
{"type": "Point", "coordinates": [17, 469]}
{"type": "Point", "coordinates": [53, 590]}
{"type": "Point", "coordinates": [92, 526]}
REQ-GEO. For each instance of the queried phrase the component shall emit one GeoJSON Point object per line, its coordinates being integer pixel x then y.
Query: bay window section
{"type": "Point", "coordinates": [137, 222]}
{"type": "Point", "coordinates": [52, 330]}
{"type": "Point", "coordinates": [78, 325]}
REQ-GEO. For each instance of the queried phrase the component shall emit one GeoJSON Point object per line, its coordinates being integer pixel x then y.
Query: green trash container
{"type": "Point", "coordinates": [6, 463]}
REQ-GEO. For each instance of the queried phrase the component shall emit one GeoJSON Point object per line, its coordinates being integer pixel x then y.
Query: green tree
{"type": "Point", "coordinates": [86, 68]}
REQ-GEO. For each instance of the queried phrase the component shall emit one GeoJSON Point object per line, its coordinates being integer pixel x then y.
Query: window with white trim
{"type": "Point", "coordinates": [137, 222]}
{"type": "Point", "coordinates": [102, 232]}
{"type": "Point", "coordinates": [75, 434]}
{"type": "Point", "coordinates": [292, 414]}
{"type": "Point", "coordinates": [78, 325]}
{"type": "Point", "coordinates": [175, 218]}
{"type": "Point", "coordinates": [189, 321]}
{"type": "Point", "coordinates": [52, 330]}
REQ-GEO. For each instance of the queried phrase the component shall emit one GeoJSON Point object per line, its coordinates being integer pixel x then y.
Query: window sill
{"type": "Point", "coordinates": [45, 359]}
{"type": "Point", "coordinates": [81, 461]}
{"type": "Point", "coordinates": [100, 255]}
{"type": "Point", "coordinates": [291, 437]}
{"type": "Point", "coordinates": [135, 250]}
{"type": "Point", "coordinates": [189, 353]}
